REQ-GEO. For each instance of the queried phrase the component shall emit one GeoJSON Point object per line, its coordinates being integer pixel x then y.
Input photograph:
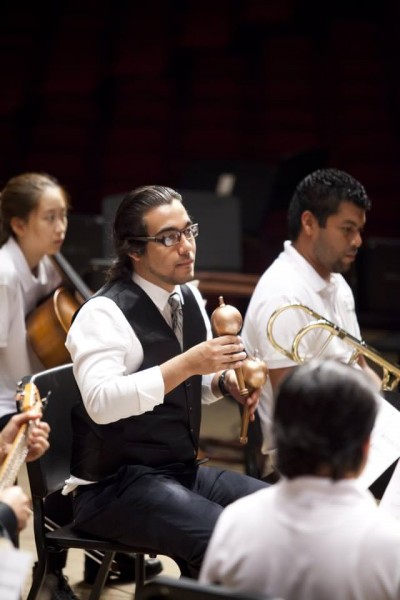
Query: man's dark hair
{"type": "Point", "coordinates": [324, 413]}
{"type": "Point", "coordinates": [321, 193]}
{"type": "Point", "coordinates": [130, 222]}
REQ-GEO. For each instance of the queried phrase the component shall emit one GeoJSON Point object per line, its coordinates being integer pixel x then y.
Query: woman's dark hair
{"type": "Point", "coordinates": [324, 413]}
{"type": "Point", "coordinates": [321, 193]}
{"type": "Point", "coordinates": [20, 196]}
{"type": "Point", "coordinates": [130, 222]}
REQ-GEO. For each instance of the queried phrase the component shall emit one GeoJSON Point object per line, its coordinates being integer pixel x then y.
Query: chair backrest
{"type": "Point", "coordinates": [48, 474]}
{"type": "Point", "coordinates": [168, 588]}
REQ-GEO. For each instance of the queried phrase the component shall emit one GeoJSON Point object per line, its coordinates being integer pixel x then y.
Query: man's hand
{"type": "Point", "coordinates": [218, 354]}
{"type": "Point", "coordinates": [38, 436]}
{"type": "Point", "coordinates": [232, 387]}
{"type": "Point", "coordinates": [221, 353]}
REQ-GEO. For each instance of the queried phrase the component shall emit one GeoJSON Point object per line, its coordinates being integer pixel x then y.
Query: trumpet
{"type": "Point", "coordinates": [390, 371]}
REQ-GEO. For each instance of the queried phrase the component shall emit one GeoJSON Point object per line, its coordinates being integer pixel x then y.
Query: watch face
{"type": "Point", "coordinates": [221, 384]}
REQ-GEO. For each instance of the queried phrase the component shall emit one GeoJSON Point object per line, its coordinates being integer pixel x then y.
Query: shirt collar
{"type": "Point", "coordinates": [307, 486]}
{"type": "Point", "coordinates": [23, 268]}
{"type": "Point", "coordinates": [157, 294]}
{"type": "Point", "coordinates": [314, 280]}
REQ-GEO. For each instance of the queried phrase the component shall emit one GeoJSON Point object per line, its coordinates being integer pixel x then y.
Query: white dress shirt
{"type": "Point", "coordinates": [106, 354]}
{"type": "Point", "coordinates": [307, 539]}
{"type": "Point", "coordinates": [291, 279]}
{"type": "Point", "coordinates": [20, 291]}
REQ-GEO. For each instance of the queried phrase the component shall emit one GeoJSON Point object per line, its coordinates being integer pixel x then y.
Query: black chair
{"type": "Point", "coordinates": [167, 588]}
{"type": "Point", "coordinates": [48, 474]}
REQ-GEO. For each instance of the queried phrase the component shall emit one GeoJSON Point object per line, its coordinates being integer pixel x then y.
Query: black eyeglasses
{"type": "Point", "coordinates": [173, 238]}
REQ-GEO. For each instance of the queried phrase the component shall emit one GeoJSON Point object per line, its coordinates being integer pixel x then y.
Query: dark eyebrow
{"type": "Point", "coordinates": [172, 229]}
{"type": "Point", "coordinates": [350, 223]}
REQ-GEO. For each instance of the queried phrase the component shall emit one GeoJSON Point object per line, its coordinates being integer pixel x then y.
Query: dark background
{"type": "Point", "coordinates": [108, 95]}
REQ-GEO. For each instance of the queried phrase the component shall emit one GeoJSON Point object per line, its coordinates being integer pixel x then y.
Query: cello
{"type": "Point", "coordinates": [47, 325]}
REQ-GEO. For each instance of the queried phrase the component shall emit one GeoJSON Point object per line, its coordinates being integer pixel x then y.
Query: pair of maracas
{"type": "Point", "coordinates": [227, 320]}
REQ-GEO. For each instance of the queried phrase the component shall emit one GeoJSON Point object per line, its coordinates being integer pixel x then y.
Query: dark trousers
{"type": "Point", "coordinates": [170, 511]}
{"type": "Point", "coordinates": [58, 510]}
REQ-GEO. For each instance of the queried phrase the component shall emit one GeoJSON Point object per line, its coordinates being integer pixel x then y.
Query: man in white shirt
{"type": "Point", "coordinates": [316, 534]}
{"type": "Point", "coordinates": [326, 217]}
{"type": "Point", "coordinates": [143, 374]}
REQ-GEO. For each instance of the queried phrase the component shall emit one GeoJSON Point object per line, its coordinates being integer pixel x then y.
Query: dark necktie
{"type": "Point", "coordinates": [177, 316]}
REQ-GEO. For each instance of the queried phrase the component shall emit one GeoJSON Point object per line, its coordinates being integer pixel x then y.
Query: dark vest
{"type": "Point", "coordinates": [168, 434]}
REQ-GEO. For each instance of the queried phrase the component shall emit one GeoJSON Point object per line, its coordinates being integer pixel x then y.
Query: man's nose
{"type": "Point", "coordinates": [185, 244]}
{"type": "Point", "coordinates": [357, 241]}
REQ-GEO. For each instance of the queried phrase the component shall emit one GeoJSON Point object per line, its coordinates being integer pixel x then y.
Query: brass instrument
{"type": "Point", "coordinates": [391, 371]}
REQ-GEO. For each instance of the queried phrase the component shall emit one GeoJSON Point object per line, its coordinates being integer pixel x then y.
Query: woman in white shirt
{"type": "Point", "coordinates": [33, 224]}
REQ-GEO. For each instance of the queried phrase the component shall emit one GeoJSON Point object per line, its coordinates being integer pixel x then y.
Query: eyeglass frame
{"type": "Point", "coordinates": [193, 230]}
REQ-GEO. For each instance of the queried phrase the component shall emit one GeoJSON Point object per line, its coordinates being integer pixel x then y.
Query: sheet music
{"type": "Point", "coordinates": [390, 501]}
{"type": "Point", "coordinates": [14, 568]}
{"type": "Point", "coordinates": [385, 443]}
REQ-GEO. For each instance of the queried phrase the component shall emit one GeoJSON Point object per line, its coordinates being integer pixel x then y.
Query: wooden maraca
{"type": "Point", "coordinates": [227, 320]}
{"type": "Point", "coordinates": [255, 373]}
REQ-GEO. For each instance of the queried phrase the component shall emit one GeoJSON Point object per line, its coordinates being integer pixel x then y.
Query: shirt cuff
{"type": "Point", "coordinates": [151, 385]}
{"type": "Point", "coordinates": [207, 396]}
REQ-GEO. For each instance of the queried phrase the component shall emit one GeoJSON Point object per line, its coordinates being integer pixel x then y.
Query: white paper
{"type": "Point", "coordinates": [385, 443]}
{"type": "Point", "coordinates": [390, 501]}
{"type": "Point", "coordinates": [14, 568]}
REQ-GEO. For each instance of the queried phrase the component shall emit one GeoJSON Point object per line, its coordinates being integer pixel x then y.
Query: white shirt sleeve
{"type": "Point", "coordinates": [7, 301]}
{"type": "Point", "coordinates": [106, 355]}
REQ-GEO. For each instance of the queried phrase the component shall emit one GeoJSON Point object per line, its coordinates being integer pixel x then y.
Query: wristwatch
{"type": "Point", "coordinates": [221, 384]}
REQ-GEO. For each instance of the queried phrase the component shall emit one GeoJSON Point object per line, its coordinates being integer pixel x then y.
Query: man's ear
{"type": "Point", "coordinates": [366, 446]}
{"type": "Point", "coordinates": [136, 256]}
{"type": "Point", "coordinates": [308, 222]}
{"type": "Point", "coordinates": [365, 452]}
{"type": "Point", "coordinates": [18, 226]}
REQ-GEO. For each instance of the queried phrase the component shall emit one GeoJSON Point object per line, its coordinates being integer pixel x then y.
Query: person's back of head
{"type": "Point", "coordinates": [321, 193]}
{"type": "Point", "coordinates": [130, 223]}
{"type": "Point", "coordinates": [324, 414]}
